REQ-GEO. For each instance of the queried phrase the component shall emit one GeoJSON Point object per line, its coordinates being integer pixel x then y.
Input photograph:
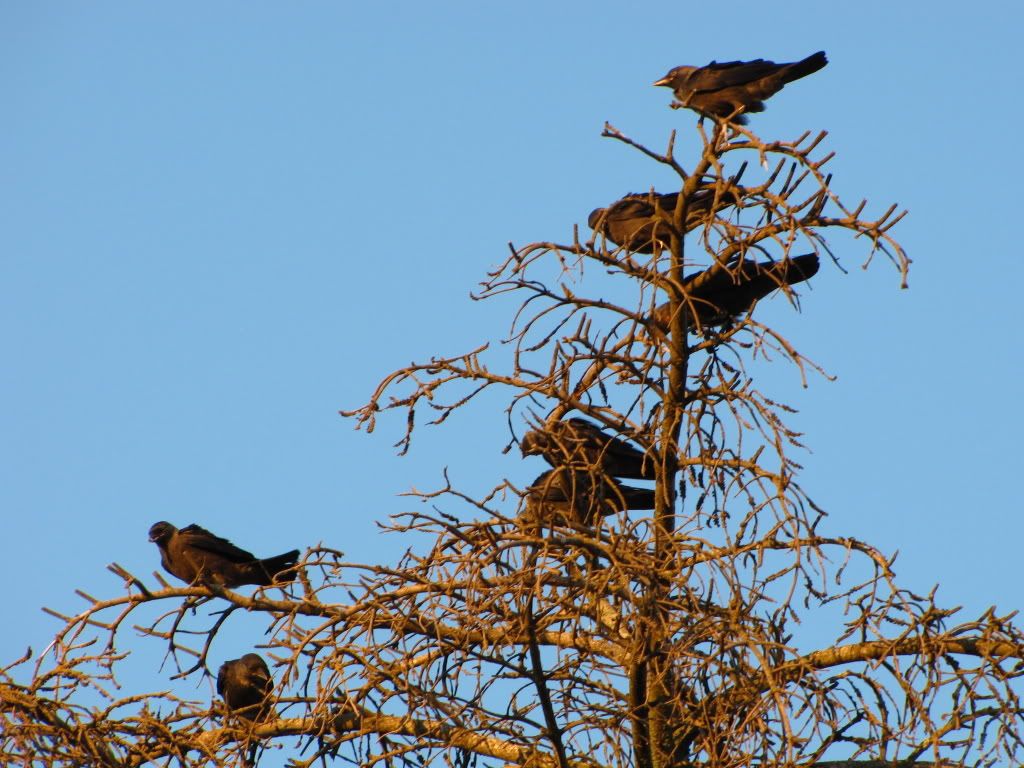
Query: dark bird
{"type": "Point", "coordinates": [731, 292]}
{"type": "Point", "coordinates": [193, 554]}
{"type": "Point", "coordinates": [729, 88]}
{"type": "Point", "coordinates": [633, 222]}
{"type": "Point", "coordinates": [580, 444]}
{"type": "Point", "coordinates": [246, 685]}
{"type": "Point", "coordinates": [582, 496]}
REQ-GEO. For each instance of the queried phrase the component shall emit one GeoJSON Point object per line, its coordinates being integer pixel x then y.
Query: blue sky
{"type": "Point", "coordinates": [221, 223]}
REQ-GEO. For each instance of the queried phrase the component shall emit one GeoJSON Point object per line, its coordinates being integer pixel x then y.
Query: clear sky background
{"type": "Point", "coordinates": [220, 223]}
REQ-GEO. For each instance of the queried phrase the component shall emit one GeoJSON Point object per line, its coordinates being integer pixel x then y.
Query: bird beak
{"type": "Point", "coordinates": [663, 81]}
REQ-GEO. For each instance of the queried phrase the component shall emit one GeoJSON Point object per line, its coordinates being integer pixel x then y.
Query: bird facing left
{"type": "Point", "coordinates": [195, 555]}
{"type": "Point", "coordinates": [728, 89]}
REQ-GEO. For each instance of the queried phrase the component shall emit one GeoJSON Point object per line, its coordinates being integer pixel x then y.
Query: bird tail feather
{"type": "Point", "coordinates": [805, 67]}
{"type": "Point", "coordinates": [279, 568]}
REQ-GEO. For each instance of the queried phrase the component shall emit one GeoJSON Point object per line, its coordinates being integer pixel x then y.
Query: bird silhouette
{"type": "Point", "coordinates": [246, 684]}
{"type": "Point", "coordinates": [733, 291]}
{"type": "Point", "coordinates": [581, 496]}
{"type": "Point", "coordinates": [633, 222]}
{"type": "Point", "coordinates": [728, 89]}
{"type": "Point", "coordinates": [580, 444]}
{"type": "Point", "coordinates": [195, 555]}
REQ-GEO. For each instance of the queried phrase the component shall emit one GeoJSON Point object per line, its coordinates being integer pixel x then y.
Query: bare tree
{"type": "Point", "coordinates": [559, 625]}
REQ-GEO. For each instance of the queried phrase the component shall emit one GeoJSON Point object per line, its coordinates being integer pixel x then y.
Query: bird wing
{"type": "Point", "coordinates": [200, 538]}
{"type": "Point", "coordinates": [791, 270]}
{"type": "Point", "coordinates": [632, 206]}
{"type": "Point", "coordinates": [618, 457]}
{"type": "Point", "coordinates": [549, 486]}
{"type": "Point", "coordinates": [666, 202]}
{"type": "Point", "coordinates": [727, 74]}
{"type": "Point", "coordinates": [589, 433]}
{"type": "Point", "coordinates": [607, 441]}
{"type": "Point", "coordinates": [732, 291]}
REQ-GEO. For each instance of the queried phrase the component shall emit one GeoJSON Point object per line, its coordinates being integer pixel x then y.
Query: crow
{"type": "Point", "coordinates": [580, 444]}
{"type": "Point", "coordinates": [193, 554]}
{"type": "Point", "coordinates": [730, 88]}
{"type": "Point", "coordinates": [633, 221]}
{"type": "Point", "coordinates": [581, 496]}
{"type": "Point", "coordinates": [733, 291]}
{"type": "Point", "coordinates": [246, 684]}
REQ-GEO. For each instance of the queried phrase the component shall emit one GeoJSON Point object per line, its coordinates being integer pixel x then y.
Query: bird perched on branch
{"type": "Point", "coordinates": [730, 88]}
{"type": "Point", "coordinates": [633, 222]}
{"type": "Point", "coordinates": [582, 496]}
{"type": "Point", "coordinates": [580, 444]}
{"type": "Point", "coordinates": [246, 685]}
{"type": "Point", "coordinates": [193, 554]}
{"type": "Point", "coordinates": [721, 296]}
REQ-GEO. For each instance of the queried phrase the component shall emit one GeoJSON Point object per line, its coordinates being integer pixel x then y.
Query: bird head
{"type": "Point", "coordinates": [533, 443]}
{"type": "Point", "coordinates": [254, 661]}
{"type": "Point", "coordinates": [161, 532]}
{"type": "Point", "coordinates": [673, 75]}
